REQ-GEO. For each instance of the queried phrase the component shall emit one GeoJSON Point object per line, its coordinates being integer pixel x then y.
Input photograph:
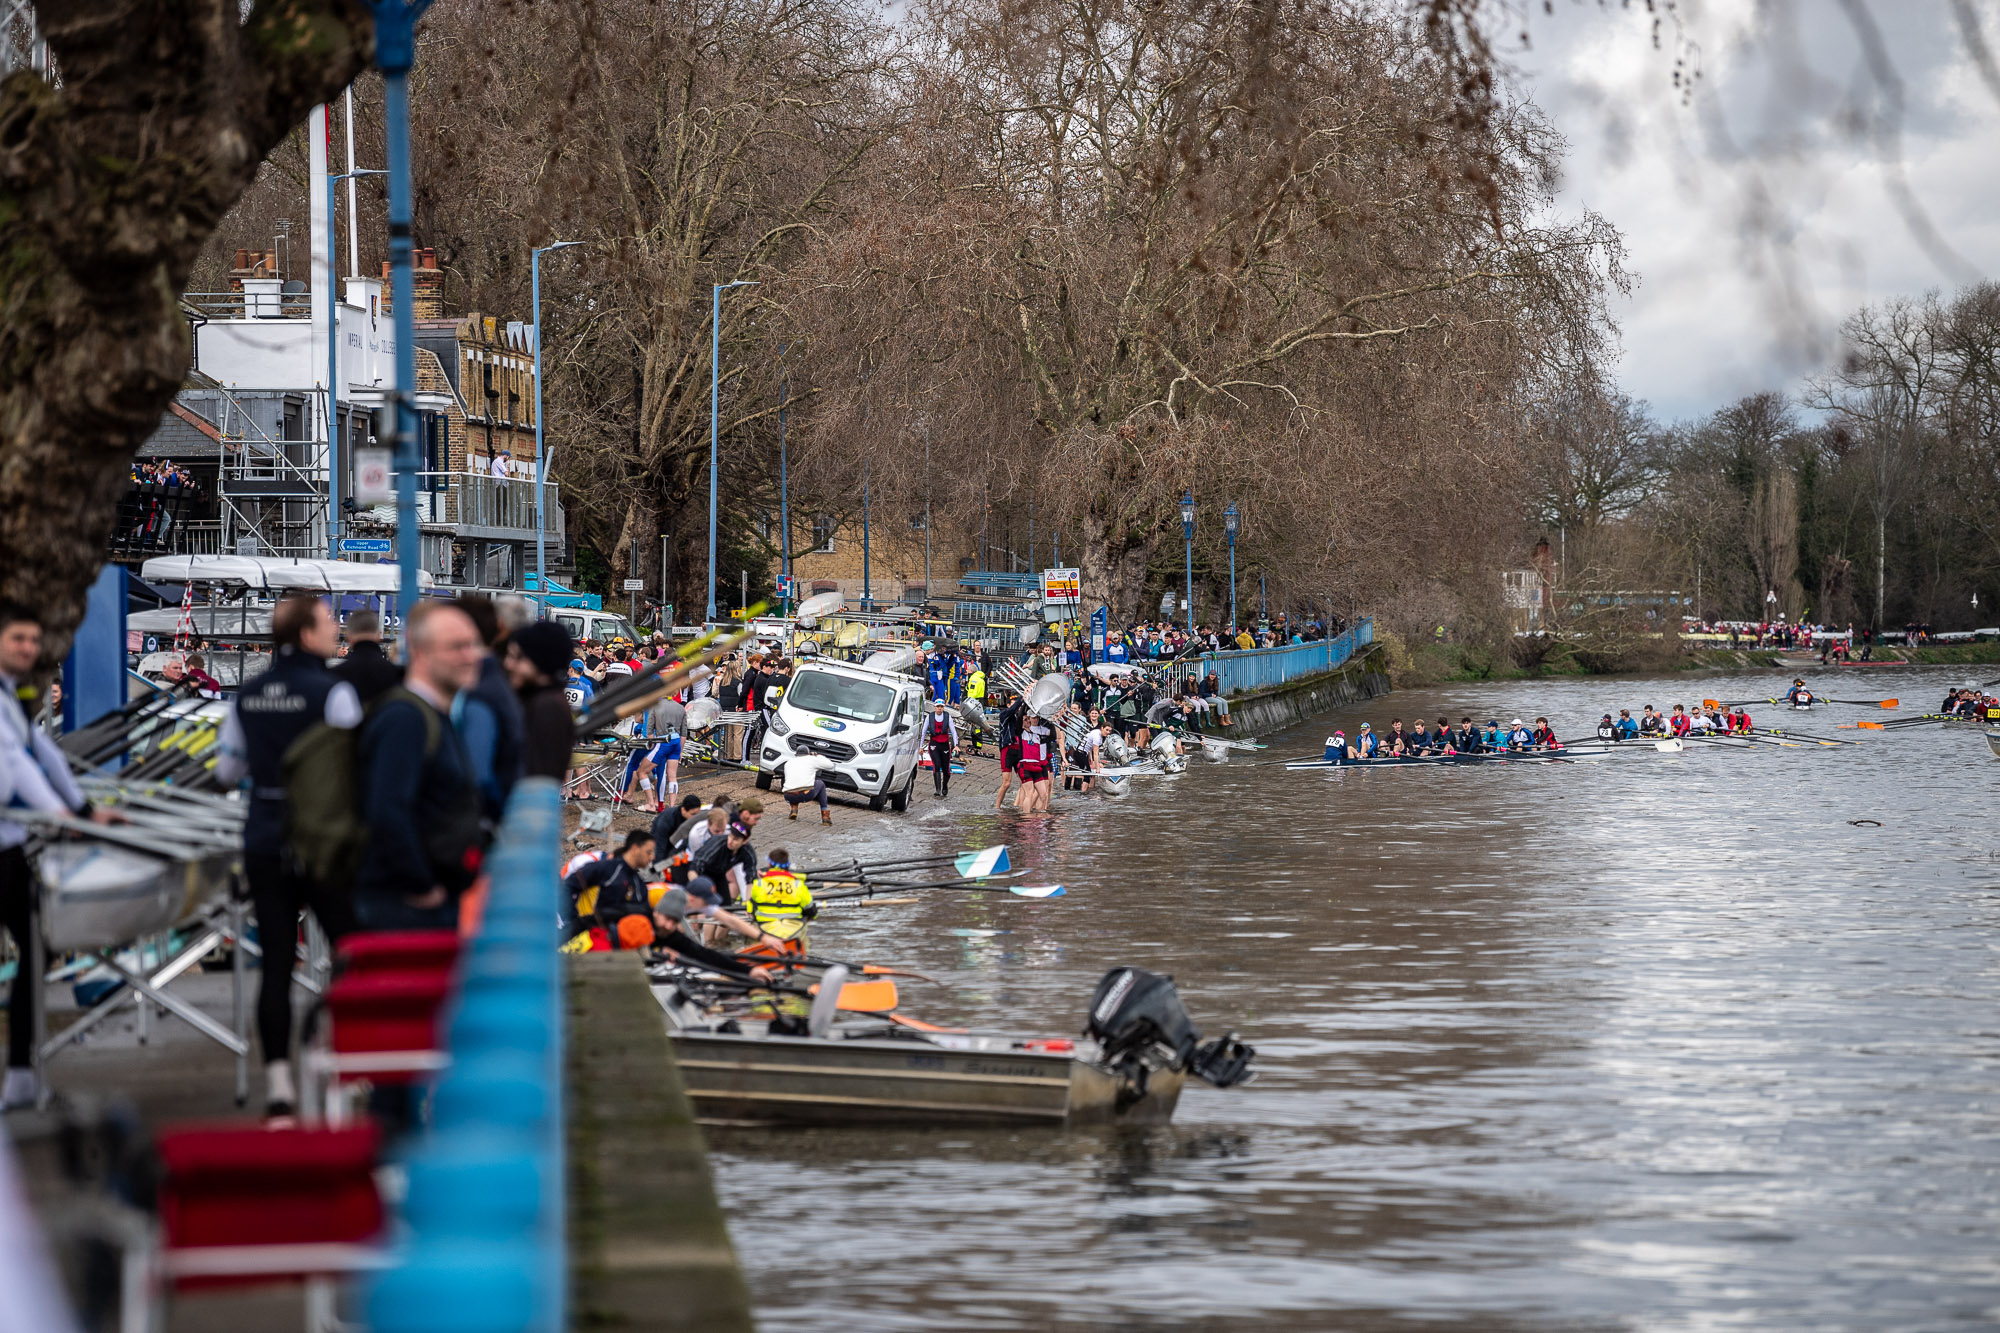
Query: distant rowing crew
{"type": "Point", "coordinates": [1467, 738]}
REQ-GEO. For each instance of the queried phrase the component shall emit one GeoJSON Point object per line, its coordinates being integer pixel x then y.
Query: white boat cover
{"type": "Point", "coordinates": [279, 575]}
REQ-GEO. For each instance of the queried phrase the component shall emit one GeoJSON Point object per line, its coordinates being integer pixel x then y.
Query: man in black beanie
{"type": "Point", "coordinates": [537, 661]}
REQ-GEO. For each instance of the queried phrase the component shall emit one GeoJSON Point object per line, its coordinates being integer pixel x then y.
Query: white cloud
{"type": "Point", "coordinates": [1757, 213]}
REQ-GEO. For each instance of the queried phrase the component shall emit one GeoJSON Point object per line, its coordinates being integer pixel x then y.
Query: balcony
{"type": "Point", "coordinates": [487, 508]}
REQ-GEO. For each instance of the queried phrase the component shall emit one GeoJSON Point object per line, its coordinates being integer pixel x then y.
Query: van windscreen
{"type": "Point", "coordinates": [841, 696]}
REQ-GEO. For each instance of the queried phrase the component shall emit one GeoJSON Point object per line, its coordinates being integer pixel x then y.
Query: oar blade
{"type": "Point", "coordinates": [1037, 890]}
{"type": "Point", "coordinates": [1869, 726]}
{"type": "Point", "coordinates": [864, 997]}
{"type": "Point", "coordinates": [985, 861]}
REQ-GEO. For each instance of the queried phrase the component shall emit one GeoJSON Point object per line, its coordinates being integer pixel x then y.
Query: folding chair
{"type": "Point", "coordinates": [245, 1205]}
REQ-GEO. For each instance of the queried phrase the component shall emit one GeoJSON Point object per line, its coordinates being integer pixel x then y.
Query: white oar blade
{"type": "Point", "coordinates": [985, 861]}
{"type": "Point", "coordinates": [1036, 890]}
{"type": "Point", "coordinates": [1668, 747]}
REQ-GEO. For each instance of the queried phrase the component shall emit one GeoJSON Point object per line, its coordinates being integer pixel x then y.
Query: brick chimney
{"type": "Point", "coordinates": [427, 300]}
{"type": "Point", "coordinates": [252, 264]}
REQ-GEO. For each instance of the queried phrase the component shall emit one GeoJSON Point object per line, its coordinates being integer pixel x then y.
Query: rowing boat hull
{"type": "Point", "coordinates": [1993, 742]}
{"type": "Point", "coordinates": [750, 1078]}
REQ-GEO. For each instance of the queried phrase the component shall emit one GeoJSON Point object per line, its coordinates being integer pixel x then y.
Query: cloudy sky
{"type": "Point", "coordinates": [1787, 189]}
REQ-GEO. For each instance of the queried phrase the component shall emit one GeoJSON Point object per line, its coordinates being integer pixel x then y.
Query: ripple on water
{"type": "Point", "coordinates": [1654, 1042]}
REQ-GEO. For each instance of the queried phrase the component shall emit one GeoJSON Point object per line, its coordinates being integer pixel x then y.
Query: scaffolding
{"type": "Point", "coordinates": [273, 491]}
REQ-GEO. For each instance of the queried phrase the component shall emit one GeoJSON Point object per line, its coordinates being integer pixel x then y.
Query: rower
{"type": "Point", "coordinates": [1494, 740]}
{"type": "Point", "coordinates": [1651, 723]}
{"type": "Point", "coordinates": [1799, 696]}
{"type": "Point", "coordinates": [1545, 735]}
{"type": "Point", "coordinates": [780, 893]}
{"type": "Point", "coordinates": [727, 861]}
{"type": "Point", "coordinates": [1464, 738]}
{"type": "Point", "coordinates": [1420, 739]}
{"type": "Point", "coordinates": [1679, 724]}
{"type": "Point", "coordinates": [1626, 728]}
{"type": "Point", "coordinates": [704, 903]}
{"type": "Point", "coordinates": [1519, 737]}
{"type": "Point", "coordinates": [1740, 719]}
{"type": "Point", "coordinates": [612, 888]}
{"type": "Point", "coordinates": [1366, 743]}
{"type": "Point", "coordinates": [1699, 724]}
{"type": "Point", "coordinates": [670, 938]}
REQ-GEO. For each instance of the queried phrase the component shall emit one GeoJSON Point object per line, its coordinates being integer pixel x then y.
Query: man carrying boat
{"type": "Point", "coordinates": [33, 775]}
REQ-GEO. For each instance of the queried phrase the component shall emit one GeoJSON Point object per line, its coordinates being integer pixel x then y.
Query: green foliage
{"type": "Point", "coordinates": [593, 573]}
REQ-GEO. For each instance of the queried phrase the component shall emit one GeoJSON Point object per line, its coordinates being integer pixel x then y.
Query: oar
{"type": "Point", "coordinates": [860, 997]}
{"type": "Point", "coordinates": [1868, 703]}
{"type": "Point", "coordinates": [865, 969]}
{"type": "Point", "coordinates": [975, 886]}
{"type": "Point", "coordinates": [981, 861]}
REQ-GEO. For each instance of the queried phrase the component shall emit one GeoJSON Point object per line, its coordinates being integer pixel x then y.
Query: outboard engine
{"type": "Point", "coordinates": [1137, 1019]}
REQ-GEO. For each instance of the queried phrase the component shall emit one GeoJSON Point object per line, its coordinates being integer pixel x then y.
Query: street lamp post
{"type": "Point", "coordinates": [714, 399]}
{"type": "Point", "coordinates": [784, 480]}
{"type": "Point", "coordinates": [1187, 533]}
{"type": "Point", "coordinates": [395, 55]}
{"type": "Point", "coordinates": [333, 368]}
{"type": "Point", "coordinates": [1229, 522]}
{"type": "Point", "coordinates": [541, 454]}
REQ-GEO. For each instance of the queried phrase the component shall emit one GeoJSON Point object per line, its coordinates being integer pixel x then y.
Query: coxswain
{"type": "Point", "coordinates": [941, 742]}
{"type": "Point", "coordinates": [1990, 709]}
{"type": "Point", "coordinates": [1336, 749]}
{"type": "Point", "coordinates": [780, 893]}
{"type": "Point", "coordinates": [1607, 730]}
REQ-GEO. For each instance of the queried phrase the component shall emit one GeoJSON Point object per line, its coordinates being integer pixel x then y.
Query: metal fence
{"type": "Point", "coordinates": [476, 500]}
{"type": "Point", "coordinates": [1245, 670]}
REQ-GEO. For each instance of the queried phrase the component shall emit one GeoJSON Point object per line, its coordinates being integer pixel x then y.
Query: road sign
{"type": "Point", "coordinates": [635, 585]}
{"type": "Point", "coordinates": [1062, 587]}
{"type": "Point", "coordinates": [788, 587]}
{"type": "Point", "coordinates": [374, 482]}
{"type": "Point", "coordinates": [366, 545]}
{"type": "Point", "coordinates": [1100, 624]}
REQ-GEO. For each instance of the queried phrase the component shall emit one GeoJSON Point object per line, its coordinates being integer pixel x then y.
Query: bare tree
{"type": "Point", "coordinates": [111, 178]}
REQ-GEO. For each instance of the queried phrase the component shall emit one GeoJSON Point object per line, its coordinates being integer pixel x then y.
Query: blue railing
{"type": "Point", "coordinates": [1242, 671]}
{"type": "Point", "coordinates": [485, 1244]}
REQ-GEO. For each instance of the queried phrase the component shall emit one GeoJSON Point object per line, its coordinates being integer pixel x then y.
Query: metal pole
{"type": "Point", "coordinates": [927, 512]}
{"type": "Point", "coordinates": [333, 371]}
{"type": "Point", "coordinates": [714, 419]}
{"type": "Point", "coordinates": [631, 596]}
{"type": "Point", "coordinates": [395, 53]}
{"type": "Point", "coordinates": [866, 588]}
{"type": "Point", "coordinates": [1232, 585]}
{"type": "Point", "coordinates": [541, 456]}
{"type": "Point", "coordinates": [1190, 584]}
{"type": "Point", "coordinates": [784, 479]}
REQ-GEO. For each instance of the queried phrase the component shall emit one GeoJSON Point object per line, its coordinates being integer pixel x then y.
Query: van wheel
{"type": "Point", "coordinates": [763, 781]}
{"type": "Point", "coordinates": [878, 800]}
{"type": "Point", "coordinates": [901, 800]}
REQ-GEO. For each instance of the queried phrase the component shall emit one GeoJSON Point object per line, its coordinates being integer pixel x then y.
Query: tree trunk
{"type": "Point", "coordinates": [1112, 567]}
{"type": "Point", "coordinates": [110, 183]}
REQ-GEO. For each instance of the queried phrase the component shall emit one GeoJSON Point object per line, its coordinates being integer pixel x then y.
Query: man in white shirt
{"type": "Point", "coordinates": [34, 775]}
{"type": "Point", "coordinates": [802, 782]}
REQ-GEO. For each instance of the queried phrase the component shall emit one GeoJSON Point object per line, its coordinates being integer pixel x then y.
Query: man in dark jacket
{"type": "Point", "coordinates": [271, 711]}
{"type": "Point", "coordinates": [366, 667]}
{"type": "Point", "coordinates": [489, 718]}
{"type": "Point", "coordinates": [620, 883]}
{"type": "Point", "coordinates": [418, 795]}
{"type": "Point", "coordinates": [537, 659]}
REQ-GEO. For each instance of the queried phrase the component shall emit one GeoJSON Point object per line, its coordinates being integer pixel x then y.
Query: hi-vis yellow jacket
{"type": "Point", "coordinates": [778, 895]}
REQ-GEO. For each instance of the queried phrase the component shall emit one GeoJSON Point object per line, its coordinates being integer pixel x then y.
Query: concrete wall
{"type": "Point", "coordinates": [1288, 705]}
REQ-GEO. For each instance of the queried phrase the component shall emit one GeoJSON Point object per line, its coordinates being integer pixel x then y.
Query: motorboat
{"type": "Point", "coordinates": [746, 1062]}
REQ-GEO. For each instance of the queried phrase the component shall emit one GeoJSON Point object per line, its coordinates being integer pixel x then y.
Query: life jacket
{"type": "Point", "coordinates": [1033, 751]}
{"type": "Point", "coordinates": [975, 688]}
{"type": "Point", "coordinates": [776, 895]}
{"type": "Point", "coordinates": [940, 730]}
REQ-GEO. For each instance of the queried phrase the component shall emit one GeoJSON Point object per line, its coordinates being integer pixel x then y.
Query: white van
{"type": "Point", "coordinates": [603, 626]}
{"type": "Point", "coordinates": [868, 720]}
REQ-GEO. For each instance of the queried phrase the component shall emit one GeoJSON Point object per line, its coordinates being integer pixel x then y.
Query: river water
{"type": "Point", "coordinates": [1653, 1042]}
